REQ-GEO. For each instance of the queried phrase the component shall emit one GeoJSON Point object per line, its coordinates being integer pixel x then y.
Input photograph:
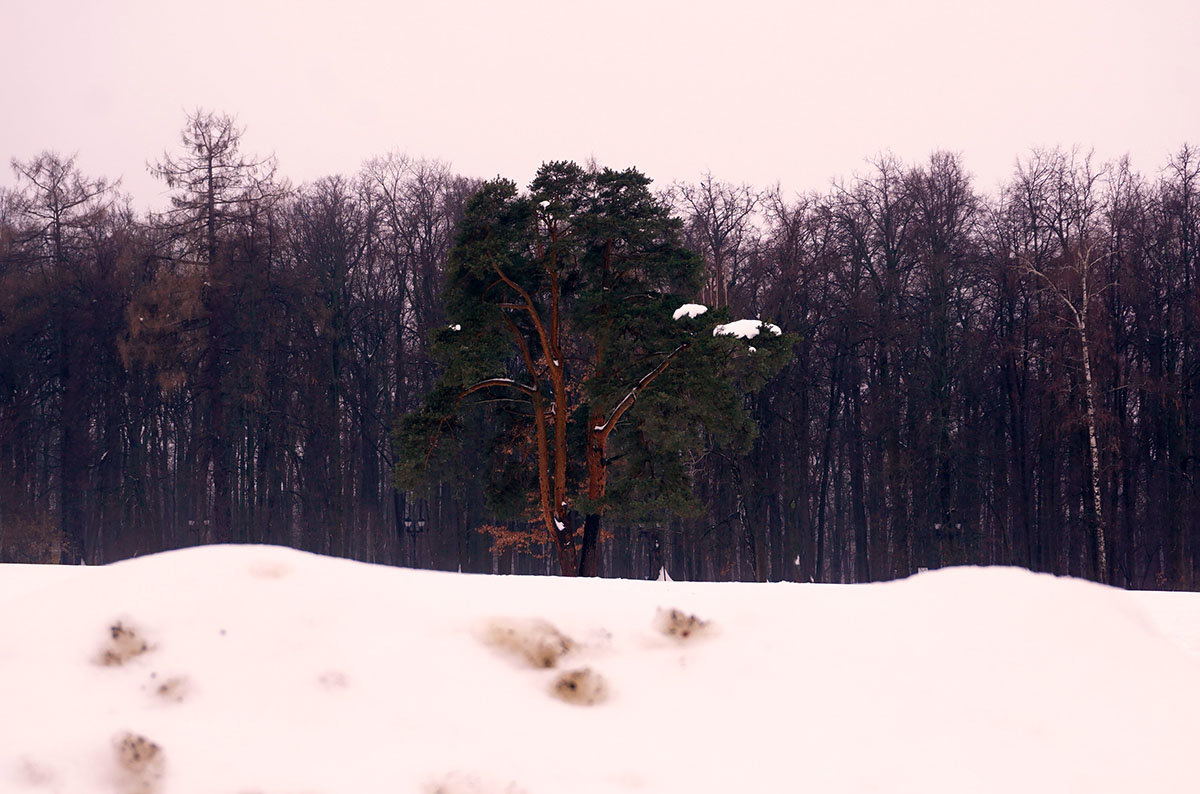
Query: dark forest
{"type": "Point", "coordinates": [1007, 378]}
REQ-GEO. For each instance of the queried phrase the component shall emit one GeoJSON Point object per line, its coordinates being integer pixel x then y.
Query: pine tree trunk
{"type": "Point", "coordinates": [589, 552]}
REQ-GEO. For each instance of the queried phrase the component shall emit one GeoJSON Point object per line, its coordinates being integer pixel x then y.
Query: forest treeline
{"type": "Point", "coordinates": [1010, 378]}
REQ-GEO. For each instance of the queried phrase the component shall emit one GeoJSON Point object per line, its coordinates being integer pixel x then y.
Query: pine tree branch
{"type": "Point", "coordinates": [629, 399]}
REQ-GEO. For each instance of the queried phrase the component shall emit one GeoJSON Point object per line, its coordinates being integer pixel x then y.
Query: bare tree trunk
{"type": "Point", "coordinates": [1101, 556]}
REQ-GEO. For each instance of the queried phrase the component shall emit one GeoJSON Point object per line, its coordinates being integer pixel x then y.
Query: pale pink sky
{"type": "Point", "coordinates": [754, 91]}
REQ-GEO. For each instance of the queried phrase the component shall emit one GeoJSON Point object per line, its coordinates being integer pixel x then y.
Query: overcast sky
{"type": "Point", "coordinates": [794, 92]}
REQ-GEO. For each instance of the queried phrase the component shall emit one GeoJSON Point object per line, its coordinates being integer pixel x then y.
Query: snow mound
{"type": "Point", "coordinates": [277, 671]}
{"type": "Point", "coordinates": [689, 310]}
{"type": "Point", "coordinates": [745, 329]}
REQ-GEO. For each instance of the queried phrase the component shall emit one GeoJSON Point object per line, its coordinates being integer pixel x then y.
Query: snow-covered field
{"type": "Point", "coordinates": [256, 670]}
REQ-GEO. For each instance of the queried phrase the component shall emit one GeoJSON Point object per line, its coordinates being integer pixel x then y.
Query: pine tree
{"type": "Point", "coordinates": [562, 319]}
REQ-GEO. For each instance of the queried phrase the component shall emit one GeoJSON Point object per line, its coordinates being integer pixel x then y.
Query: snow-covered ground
{"type": "Point", "coordinates": [256, 670]}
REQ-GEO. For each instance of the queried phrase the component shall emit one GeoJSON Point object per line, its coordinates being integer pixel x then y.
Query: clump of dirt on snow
{"type": "Point", "coordinates": [583, 687]}
{"type": "Point", "coordinates": [269, 569]}
{"type": "Point", "coordinates": [678, 624]}
{"type": "Point", "coordinates": [458, 783]}
{"type": "Point", "coordinates": [173, 689]}
{"type": "Point", "coordinates": [140, 762]}
{"type": "Point", "coordinates": [333, 679]}
{"type": "Point", "coordinates": [535, 641]}
{"type": "Point", "coordinates": [35, 775]}
{"type": "Point", "coordinates": [124, 643]}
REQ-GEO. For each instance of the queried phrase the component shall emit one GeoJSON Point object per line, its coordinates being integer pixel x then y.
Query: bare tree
{"type": "Point", "coordinates": [720, 219]}
{"type": "Point", "coordinates": [1063, 192]}
{"type": "Point", "coordinates": [62, 203]}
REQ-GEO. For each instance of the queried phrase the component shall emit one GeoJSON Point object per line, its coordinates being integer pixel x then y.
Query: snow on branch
{"type": "Point", "coordinates": [745, 329]}
{"type": "Point", "coordinates": [689, 310]}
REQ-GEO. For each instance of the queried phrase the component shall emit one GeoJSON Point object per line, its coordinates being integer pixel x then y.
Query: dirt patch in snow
{"type": "Point", "coordinates": [680, 625]}
{"type": "Point", "coordinates": [459, 783]}
{"type": "Point", "coordinates": [534, 641]}
{"type": "Point", "coordinates": [172, 690]}
{"type": "Point", "coordinates": [583, 687]}
{"type": "Point", "coordinates": [140, 762]}
{"type": "Point", "coordinates": [124, 643]}
{"type": "Point", "coordinates": [269, 569]}
{"type": "Point", "coordinates": [333, 679]}
{"type": "Point", "coordinates": [31, 773]}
